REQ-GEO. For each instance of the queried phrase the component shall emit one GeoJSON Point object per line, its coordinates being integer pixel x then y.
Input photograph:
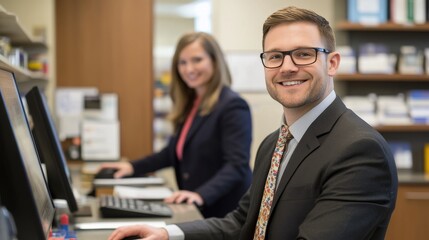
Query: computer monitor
{"type": "Point", "coordinates": [49, 148]}
{"type": "Point", "coordinates": [23, 186]}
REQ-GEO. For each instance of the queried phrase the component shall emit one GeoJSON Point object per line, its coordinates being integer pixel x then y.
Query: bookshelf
{"type": "Point", "coordinates": [389, 34]}
{"type": "Point", "coordinates": [409, 220]}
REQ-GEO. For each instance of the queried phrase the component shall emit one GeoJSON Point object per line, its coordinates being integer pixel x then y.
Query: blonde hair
{"type": "Point", "coordinates": [294, 14]}
{"type": "Point", "coordinates": [183, 96]}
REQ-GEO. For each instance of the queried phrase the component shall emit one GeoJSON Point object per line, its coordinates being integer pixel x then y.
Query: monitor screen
{"type": "Point", "coordinates": [49, 148]}
{"type": "Point", "coordinates": [23, 186]}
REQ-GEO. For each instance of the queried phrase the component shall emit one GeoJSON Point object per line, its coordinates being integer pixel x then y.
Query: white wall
{"type": "Point", "coordinates": [167, 31]}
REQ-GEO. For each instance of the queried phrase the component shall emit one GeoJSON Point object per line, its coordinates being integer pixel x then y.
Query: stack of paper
{"type": "Point", "coordinates": [376, 59]}
{"type": "Point", "coordinates": [418, 103]}
{"type": "Point", "coordinates": [363, 106]}
{"type": "Point", "coordinates": [137, 181]}
{"type": "Point", "coordinates": [402, 154]}
{"type": "Point", "coordinates": [348, 60]}
{"type": "Point", "coordinates": [392, 110]}
{"type": "Point", "coordinates": [410, 60]}
{"type": "Point", "coordinates": [146, 193]}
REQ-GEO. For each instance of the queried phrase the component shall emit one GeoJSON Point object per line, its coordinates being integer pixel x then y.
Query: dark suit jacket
{"type": "Point", "coordinates": [340, 183]}
{"type": "Point", "coordinates": [216, 155]}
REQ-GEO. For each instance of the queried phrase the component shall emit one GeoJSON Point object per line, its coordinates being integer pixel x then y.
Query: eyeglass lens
{"type": "Point", "coordinates": [301, 56]}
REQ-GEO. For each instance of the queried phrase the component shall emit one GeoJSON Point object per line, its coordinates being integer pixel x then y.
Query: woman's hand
{"type": "Point", "coordinates": [185, 196]}
{"type": "Point", "coordinates": [143, 231]}
{"type": "Point", "coordinates": [124, 168]}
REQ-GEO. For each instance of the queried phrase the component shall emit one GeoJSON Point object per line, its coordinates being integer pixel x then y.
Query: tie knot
{"type": "Point", "coordinates": [285, 133]}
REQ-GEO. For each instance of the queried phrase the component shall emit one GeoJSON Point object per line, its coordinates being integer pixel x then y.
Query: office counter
{"type": "Point", "coordinates": [181, 212]}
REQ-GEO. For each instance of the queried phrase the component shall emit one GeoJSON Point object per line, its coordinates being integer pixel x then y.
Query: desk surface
{"type": "Point", "coordinates": [181, 212]}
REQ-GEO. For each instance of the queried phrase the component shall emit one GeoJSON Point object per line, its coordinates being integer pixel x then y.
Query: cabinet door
{"type": "Point", "coordinates": [410, 219]}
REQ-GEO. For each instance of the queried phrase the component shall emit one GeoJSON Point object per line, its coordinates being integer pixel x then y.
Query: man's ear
{"type": "Point", "coordinates": [333, 63]}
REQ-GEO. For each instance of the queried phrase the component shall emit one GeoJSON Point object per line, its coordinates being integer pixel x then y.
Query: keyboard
{"type": "Point", "coordinates": [116, 207]}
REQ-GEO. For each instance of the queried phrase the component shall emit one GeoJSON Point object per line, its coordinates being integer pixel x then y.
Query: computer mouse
{"type": "Point", "coordinates": [105, 173]}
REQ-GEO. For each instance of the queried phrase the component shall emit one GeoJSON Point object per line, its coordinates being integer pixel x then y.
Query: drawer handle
{"type": "Point", "coordinates": [417, 195]}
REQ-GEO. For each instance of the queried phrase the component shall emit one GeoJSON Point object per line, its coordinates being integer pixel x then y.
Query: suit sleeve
{"type": "Point", "coordinates": [236, 133]}
{"type": "Point", "coordinates": [156, 161]}
{"type": "Point", "coordinates": [227, 228]}
{"type": "Point", "coordinates": [357, 194]}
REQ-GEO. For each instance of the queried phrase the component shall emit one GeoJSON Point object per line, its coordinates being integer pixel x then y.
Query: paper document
{"type": "Point", "coordinates": [114, 225]}
{"type": "Point", "coordinates": [100, 140]}
{"type": "Point", "coordinates": [146, 193]}
{"type": "Point", "coordinates": [137, 181]}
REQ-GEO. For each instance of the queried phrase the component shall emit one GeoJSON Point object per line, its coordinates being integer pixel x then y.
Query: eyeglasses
{"type": "Point", "coordinates": [299, 56]}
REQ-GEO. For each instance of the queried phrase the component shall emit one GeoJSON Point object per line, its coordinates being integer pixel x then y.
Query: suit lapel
{"type": "Point", "coordinates": [199, 120]}
{"type": "Point", "coordinates": [300, 153]}
{"type": "Point", "coordinates": [196, 124]}
{"type": "Point", "coordinates": [309, 142]}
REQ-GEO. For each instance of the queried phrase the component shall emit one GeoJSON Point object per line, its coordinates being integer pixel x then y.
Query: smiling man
{"type": "Point", "coordinates": [325, 174]}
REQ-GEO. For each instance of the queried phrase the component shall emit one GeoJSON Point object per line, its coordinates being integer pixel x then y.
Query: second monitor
{"type": "Point", "coordinates": [49, 148]}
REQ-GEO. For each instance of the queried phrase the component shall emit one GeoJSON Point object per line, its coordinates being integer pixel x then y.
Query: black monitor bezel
{"type": "Point", "coordinates": [16, 188]}
{"type": "Point", "coordinates": [49, 148]}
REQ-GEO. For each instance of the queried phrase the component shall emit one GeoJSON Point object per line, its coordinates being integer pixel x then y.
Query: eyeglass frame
{"type": "Point", "coordinates": [290, 52]}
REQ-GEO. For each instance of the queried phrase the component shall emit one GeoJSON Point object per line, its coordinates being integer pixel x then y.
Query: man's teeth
{"type": "Point", "coordinates": [290, 83]}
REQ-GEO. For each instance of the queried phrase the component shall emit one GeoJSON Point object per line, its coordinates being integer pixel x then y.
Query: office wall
{"type": "Point", "coordinates": [166, 37]}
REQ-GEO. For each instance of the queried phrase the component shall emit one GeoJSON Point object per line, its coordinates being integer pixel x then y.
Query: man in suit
{"type": "Point", "coordinates": [337, 178]}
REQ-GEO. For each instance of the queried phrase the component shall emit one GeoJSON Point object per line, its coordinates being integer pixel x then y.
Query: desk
{"type": "Point", "coordinates": [181, 212]}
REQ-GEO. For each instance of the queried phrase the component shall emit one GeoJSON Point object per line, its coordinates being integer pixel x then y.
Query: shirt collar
{"type": "Point", "coordinates": [303, 123]}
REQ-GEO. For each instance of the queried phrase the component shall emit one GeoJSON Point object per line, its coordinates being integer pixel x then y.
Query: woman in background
{"type": "Point", "coordinates": [210, 150]}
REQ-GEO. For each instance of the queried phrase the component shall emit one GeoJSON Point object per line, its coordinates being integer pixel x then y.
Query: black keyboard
{"type": "Point", "coordinates": [116, 207]}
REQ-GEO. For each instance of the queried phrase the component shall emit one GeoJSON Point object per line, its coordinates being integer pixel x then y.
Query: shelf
{"type": "Point", "coordinates": [382, 77]}
{"type": "Point", "coordinates": [18, 35]}
{"type": "Point", "coordinates": [12, 28]}
{"type": "Point", "coordinates": [403, 128]}
{"type": "Point", "coordinates": [21, 74]}
{"type": "Point", "coordinates": [389, 26]}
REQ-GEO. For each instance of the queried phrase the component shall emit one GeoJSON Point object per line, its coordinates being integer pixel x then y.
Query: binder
{"type": "Point", "coordinates": [398, 11]}
{"type": "Point", "coordinates": [420, 11]}
{"type": "Point", "coordinates": [368, 12]}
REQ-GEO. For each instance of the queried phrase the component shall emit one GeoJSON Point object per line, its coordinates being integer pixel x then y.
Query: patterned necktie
{"type": "Point", "coordinates": [270, 184]}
